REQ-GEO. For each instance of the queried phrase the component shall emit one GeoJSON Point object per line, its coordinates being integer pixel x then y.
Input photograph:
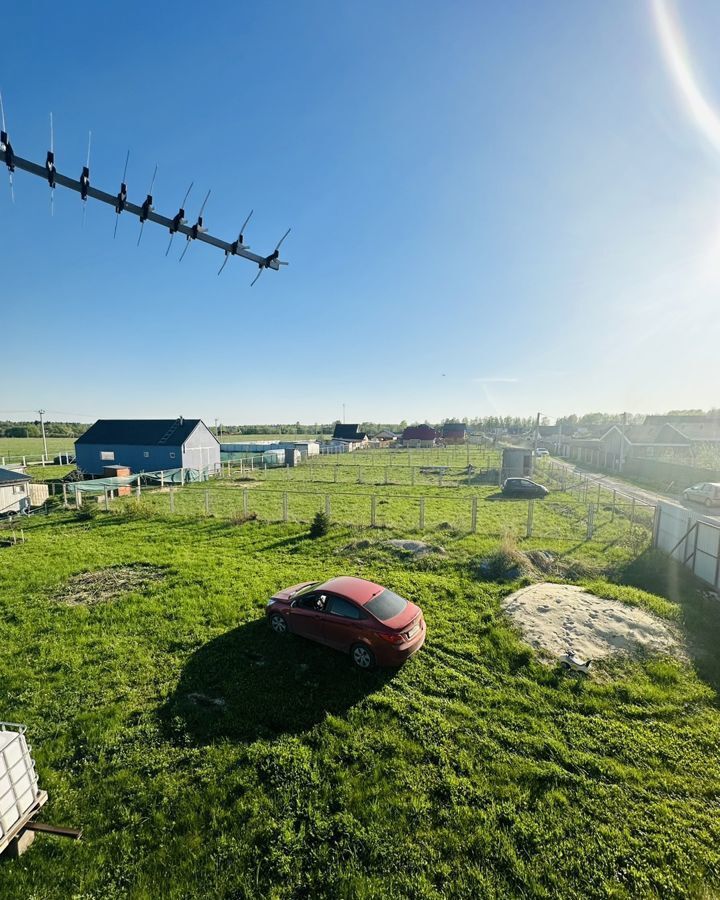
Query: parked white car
{"type": "Point", "coordinates": [541, 451]}
{"type": "Point", "coordinates": [707, 492]}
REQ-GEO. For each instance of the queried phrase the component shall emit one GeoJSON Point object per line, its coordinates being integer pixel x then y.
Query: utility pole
{"type": "Point", "coordinates": [622, 441]}
{"type": "Point", "coordinates": [535, 441]}
{"type": "Point", "coordinates": [41, 413]}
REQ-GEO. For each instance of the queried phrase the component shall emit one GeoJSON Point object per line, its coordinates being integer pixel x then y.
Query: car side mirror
{"type": "Point", "coordinates": [293, 603]}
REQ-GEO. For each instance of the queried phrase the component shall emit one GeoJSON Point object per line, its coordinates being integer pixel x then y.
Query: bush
{"type": "Point", "coordinates": [320, 525]}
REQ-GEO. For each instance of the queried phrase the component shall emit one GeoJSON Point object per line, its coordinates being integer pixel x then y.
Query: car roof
{"type": "Point", "coordinates": [357, 589]}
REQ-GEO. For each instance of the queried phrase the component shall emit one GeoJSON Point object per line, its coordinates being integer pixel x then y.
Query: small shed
{"type": "Point", "coordinates": [516, 462]}
{"type": "Point", "coordinates": [14, 492]}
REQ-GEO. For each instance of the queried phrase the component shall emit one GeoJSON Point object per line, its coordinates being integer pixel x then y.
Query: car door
{"type": "Point", "coordinates": [344, 623]}
{"type": "Point", "coordinates": [307, 616]}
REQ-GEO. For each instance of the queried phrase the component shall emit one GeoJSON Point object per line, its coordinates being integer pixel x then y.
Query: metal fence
{"type": "Point", "coordinates": [469, 514]}
{"type": "Point", "coordinates": [691, 539]}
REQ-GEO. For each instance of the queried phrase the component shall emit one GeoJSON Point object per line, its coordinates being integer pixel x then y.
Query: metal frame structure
{"type": "Point", "coordinates": [27, 807]}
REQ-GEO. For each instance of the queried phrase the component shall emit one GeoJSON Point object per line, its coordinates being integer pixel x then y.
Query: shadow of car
{"type": "Point", "coordinates": [246, 684]}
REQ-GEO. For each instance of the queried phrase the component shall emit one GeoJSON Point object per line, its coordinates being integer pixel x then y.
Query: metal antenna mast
{"type": "Point", "coordinates": [145, 212]}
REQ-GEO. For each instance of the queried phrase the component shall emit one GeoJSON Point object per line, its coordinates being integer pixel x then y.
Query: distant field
{"type": "Point", "coordinates": [13, 449]}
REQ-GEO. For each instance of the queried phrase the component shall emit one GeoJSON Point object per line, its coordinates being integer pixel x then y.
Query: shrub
{"type": "Point", "coordinates": [320, 525]}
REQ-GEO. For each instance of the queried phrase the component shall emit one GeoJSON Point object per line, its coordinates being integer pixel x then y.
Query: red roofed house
{"type": "Point", "coordinates": [419, 436]}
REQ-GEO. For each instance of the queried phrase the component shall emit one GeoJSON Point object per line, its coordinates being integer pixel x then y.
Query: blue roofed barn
{"type": "Point", "coordinates": [148, 445]}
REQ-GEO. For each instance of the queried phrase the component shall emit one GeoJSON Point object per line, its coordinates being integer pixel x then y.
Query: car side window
{"type": "Point", "coordinates": [316, 601]}
{"type": "Point", "coordinates": [344, 608]}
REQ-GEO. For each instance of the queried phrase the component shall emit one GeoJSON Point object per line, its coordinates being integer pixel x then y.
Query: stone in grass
{"type": "Point", "coordinates": [414, 548]}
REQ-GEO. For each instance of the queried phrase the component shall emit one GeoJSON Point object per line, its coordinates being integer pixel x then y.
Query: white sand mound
{"type": "Point", "coordinates": [559, 618]}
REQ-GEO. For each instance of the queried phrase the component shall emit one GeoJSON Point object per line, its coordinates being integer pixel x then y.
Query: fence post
{"type": "Point", "coordinates": [335, 474]}
{"type": "Point", "coordinates": [473, 515]}
{"type": "Point", "coordinates": [656, 530]}
{"type": "Point", "coordinates": [64, 487]}
{"type": "Point", "coordinates": [590, 520]}
{"type": "Point", "coordinates": [162, 480]}
{"type": "Point", "coordinates": [386, 474]}
{"type": "Point", "coordinates": [412, 475]}
{"type": "Point", "coordinates": [373, 510]}
{"type": "Point", "coordinates": [285, 506]}
{"type": "Point", "coordinates": [78, 498]}
{"type": "Point", "coordinates": [531, 513]}
{"type": "Point", "coordinates": [598, 498]}
{"type": "Point", "coordinates": [107, 502]}
{"type": "Point", "coordinates": [327, 505]}
{"type": "Point", "coordinates": [422, 514]}
{"type": "Point", "coordinates": [138, 489]}
{"type": "Point", "coordinates": [245, 501]}
{"type": "Point", "coordinates": [172, 499]}
{"type": "Point", "coordinates": [632, 515]}
{"type": "Point", "coordinates": [360, 476]}
{"type": "Point", "coordinates": [612, 517]}
{"type": "Point", "coordinates": [207, 503]}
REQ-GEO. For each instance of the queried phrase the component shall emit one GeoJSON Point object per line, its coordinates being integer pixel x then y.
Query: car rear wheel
{"type": "Point", "coordinates": [362, 657]}
{"type": "Point", "coordinates": [278, 623]}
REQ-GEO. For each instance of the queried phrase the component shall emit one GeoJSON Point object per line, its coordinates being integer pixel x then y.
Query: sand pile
{"type": "Point", "coordinates": [559, 618]}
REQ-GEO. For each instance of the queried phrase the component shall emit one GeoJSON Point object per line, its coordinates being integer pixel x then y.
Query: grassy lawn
{"type": "Point", "coordinates": [473, 771]}
{"type": "Point", "coordinates": [13, 449]}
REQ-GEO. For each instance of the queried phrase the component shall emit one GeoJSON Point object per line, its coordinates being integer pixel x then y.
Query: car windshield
{"type": "Point", "coordinates": [386, 605]}
{"type": "Point", "coordinates": [304, 590]}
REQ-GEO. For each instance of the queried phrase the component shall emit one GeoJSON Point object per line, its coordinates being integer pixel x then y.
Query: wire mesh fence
{"type": "Point", "coordinates": [491, 515]}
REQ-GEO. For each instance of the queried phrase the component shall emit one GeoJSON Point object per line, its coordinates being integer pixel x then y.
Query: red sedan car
{"type": "Point", "coordinates": [366, 620]}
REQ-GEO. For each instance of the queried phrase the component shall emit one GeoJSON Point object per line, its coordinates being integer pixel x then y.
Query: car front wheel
{"type": "Point", "coordinates": [278, 623]}
{"type": "Point", "coordinates": [362, 657]}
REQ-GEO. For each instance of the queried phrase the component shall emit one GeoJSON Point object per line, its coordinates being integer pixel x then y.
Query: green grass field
{"type": "Point", "coordinates": [13, 449]}
{"type": "Point", "coordinates": [474, 771]}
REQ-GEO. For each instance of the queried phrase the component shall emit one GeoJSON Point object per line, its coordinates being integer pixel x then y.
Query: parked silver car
{"type": "Point", "coordinates": [707, 492]}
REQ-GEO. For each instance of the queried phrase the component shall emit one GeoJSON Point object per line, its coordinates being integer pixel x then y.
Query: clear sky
{"type": "Point", "coordinates": [496, 208]}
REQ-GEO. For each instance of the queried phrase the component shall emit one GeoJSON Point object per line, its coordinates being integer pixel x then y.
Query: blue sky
{"type": "Point", "coordinates": [496, 208]}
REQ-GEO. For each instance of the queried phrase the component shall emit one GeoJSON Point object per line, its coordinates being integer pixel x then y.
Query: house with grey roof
{"type": "Point", "coordinates": [148, 445]}
{"type": "Point", "coordinates": [14, 492]}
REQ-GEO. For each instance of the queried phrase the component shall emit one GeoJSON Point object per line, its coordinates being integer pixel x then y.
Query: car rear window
{"type": "Point", "coordinates": [386, 605]}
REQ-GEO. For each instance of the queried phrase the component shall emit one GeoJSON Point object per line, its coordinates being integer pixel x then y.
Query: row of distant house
{"type": "Point", "coordinates": [676, 437]}
{"type": "Point", "coordinates": [412, 436]}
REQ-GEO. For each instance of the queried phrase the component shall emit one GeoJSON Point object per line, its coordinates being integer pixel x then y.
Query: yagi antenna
{"type": "Point", "coordinates": [50, 169]}
{"type": "Point", "coordinates": [120, 202]}
{"type": "Point", "coordinates": [85, 179]}
{"type": "Point", "coordinates": [272, 261]}
{"type": "Point", "coordinates": [196, 229]}
{"type": "Point", "coordinates": [121, 198]}
{"type": "Point", "coordinates": [237, 245]}
{"type": "Point", "coordinates": [179, 219]}
{"type": "Point", "coordinates": [6, 149]}
{"type": "Point", "coordinates": [147, 207]}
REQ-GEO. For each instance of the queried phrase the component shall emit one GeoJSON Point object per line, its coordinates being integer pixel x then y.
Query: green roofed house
{"type": "Point", "coordinates": [148, 445]}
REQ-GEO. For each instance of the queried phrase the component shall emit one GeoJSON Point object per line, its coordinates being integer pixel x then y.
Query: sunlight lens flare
{"type": "Point", "coordinates": [678, 61]}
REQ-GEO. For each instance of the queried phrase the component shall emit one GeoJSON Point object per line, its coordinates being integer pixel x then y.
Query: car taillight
{"type": "Point", "coordinates": [391, 637]}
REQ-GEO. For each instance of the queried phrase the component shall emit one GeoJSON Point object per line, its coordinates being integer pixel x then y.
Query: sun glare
{"type": "Point", "coordinates": [679, 63]}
